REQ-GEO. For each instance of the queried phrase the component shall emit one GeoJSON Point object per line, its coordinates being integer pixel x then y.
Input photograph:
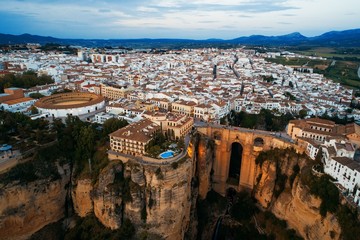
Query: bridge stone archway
{"type": "Point", "coordinates": [252, 143]}
{"type": "Point", "coordinates": [234, 171]}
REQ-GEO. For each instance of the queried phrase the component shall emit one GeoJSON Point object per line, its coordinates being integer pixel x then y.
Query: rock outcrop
{"type": "Point", "coordinates": [81, 196]}
{"type": "Point", "coordinates": [155, 198]}
{"type": "Point", "coordinates": [204, 163]}
{"type": "Point", "coordinates": [301, 211]}
{"type": "Point", "coordinates": [294, 203]}
{"type": "Point", "coordinates": [26, 208]}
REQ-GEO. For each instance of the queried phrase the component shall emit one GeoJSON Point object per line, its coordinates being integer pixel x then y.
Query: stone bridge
{"type": "Point", "coordinates": [235, 152]}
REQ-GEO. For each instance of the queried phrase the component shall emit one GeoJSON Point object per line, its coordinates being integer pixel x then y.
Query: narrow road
{"type": "Point", "coordinates": [281, 135]}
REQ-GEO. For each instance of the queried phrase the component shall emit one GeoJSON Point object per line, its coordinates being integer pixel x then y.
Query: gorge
{"type": "Point", "coordinates": [162, 200]}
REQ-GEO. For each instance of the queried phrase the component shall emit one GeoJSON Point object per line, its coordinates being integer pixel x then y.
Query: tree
{"type": "Point", "coordinates": [26, 80]}
{"type": "Point", "coordinates": [319, 156]}
{"type": "Point", "coordinates": [112, 125]}
{"type": "Point", "coordinates": [34, 110]}
{"type": "Point", "coordinates": [291, 84]}
{"type": "Point", "coordinates": [302, 113]}
{"type": "Point", "coordinates": [36, 95]}
{"type": "Point", "coordinates": [85, 146]}
{"type": "Point", "coordinates": [181, 143]}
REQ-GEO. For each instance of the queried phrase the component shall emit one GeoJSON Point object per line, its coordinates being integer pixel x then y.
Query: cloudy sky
{"type": "Point", "coordinates": [197, 19]}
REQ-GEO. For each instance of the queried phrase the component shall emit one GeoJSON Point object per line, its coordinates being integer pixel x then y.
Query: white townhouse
{"type": "Point", "coordinates": [339, 163]}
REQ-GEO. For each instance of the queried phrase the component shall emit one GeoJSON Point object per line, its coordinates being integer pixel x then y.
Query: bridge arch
{"type": "Point", "coordinates": [235, 164]}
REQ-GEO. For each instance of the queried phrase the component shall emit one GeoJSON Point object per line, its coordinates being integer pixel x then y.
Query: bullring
{"type": "Point", "coordinates": [74, 103]}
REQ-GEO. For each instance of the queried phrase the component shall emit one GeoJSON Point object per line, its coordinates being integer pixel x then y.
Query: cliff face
{"type": "Point", "coordinates": [301, 211]}
{"type": "Point", "coordinates": [108, 197]}
{"type": "Point", "coordinates": [294, 203]}
{"type": "Point", "coordinates": [204, 156]}
{"type": "Point", "coordinates": [82, 198]}
{"type": "Point", "coordinates": [155, 199]}
{"type": "Point", "coordinates": [24, 209]}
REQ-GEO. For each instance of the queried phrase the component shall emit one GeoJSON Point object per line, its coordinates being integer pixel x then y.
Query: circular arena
{"type": "Point", "coordinates": [75, 103]}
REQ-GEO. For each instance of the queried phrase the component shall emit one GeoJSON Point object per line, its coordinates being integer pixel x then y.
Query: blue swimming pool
{"type": "Point", "coordinates": [167, 154]}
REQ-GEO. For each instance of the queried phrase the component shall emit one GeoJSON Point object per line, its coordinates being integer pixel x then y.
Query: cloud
{"type": "Point", "coordinates": [289, 15]}
{"type": "Point", "coordinates": [284, 23]}
{"type": "Point", "coordinates": [140, 18]}
{"type": "Point", "coordinates": [147, 9]}
{"type": "Point", "coordinates": [104, 10]}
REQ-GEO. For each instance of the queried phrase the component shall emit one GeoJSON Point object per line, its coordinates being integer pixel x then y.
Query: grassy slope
{"type": "Point", "coordinates": [344, 71]}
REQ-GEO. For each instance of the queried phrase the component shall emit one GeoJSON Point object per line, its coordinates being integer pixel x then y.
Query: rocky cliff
{"type": "Point", "coordinates": [82, 201]}
{"type": "Point", "coordinates": [204, 154]}
{"type": "Point", "coordinates": [280, 190]}
{"type": "Point", "coordinates": [156, 199]}
{"type": "Point", "coordinates": [26, 208]}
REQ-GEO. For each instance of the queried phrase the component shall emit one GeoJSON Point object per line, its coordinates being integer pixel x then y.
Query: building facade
{"type": "Point", "coordinates": [133, 138]}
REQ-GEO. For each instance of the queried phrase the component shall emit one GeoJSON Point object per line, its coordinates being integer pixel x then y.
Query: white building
{"type": "Point", "coordinates": [339, 163]}
{"type": "Point", "coordinates": [18, 105]}
{"type": "Point", "coordinates": [102, 117]}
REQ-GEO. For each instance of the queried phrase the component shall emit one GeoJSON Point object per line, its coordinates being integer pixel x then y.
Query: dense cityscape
{"type": "Point", "coordinates": [201, 83]}
{"type": "Point", "coordinates": [179, 120]}
{"type": "Point", "coordinates": [163, 96]}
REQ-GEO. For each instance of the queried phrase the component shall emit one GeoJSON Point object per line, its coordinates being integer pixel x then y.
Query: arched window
{"type": "Point", "coordinates": [259, 142]}
{"type": "Point", "coordinates": [217, 135]}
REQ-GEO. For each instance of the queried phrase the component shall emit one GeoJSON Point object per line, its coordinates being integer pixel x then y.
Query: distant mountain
{"type": "Point", "coordinates": [292, 39]}
{"type": "Point", "coordinates": [26, 38]}
{"type": "Point", "coordinates": [338, 38]}
{"type": "Point", "coordinates": [347, 38]}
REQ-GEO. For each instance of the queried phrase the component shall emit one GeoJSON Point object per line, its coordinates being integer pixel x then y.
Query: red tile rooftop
{"type": "Point", "coordinates": [19, 100]}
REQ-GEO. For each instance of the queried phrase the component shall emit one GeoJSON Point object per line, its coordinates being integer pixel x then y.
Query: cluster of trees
{"type": "Point", "coordinates": [82, 144]}
{"type": "Point", "coordinates": [18, 124]}
{"type": "Point", "coordinates": [265, 120]}
{"type": "Point", "coordinates": [160, 143]}
{"type": "Point", "coordinates": [336, 119]}
{"type": "Point", "coordinates": [43, 166]}
{"type": "Point", "coordinates": [328, 192]}
{"type": "Point", "coordinates": [36, 95]}
{"type": "Point", "coordinates": [60, 48]}
{"type": "Point", "coordinates": [26, 80]}
{"type": "Point", "coordinates": [355, 104]}
{"type": "Point", "coordinates": [278, 228]}
{"type": "Point", "coordinates": [157, 144]}
{"type": "Point", "coordinates": [268, 79]}
{"type": "Point", "coordinates": [90, 228]}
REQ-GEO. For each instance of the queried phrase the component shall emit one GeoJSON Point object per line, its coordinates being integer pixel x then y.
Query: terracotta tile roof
{"type": "Point", "coordinates": [140, 131]}
{"type": "Point", "coordinates": [18, 100]}
{"type": "Point", "coordinates": [348, 162]}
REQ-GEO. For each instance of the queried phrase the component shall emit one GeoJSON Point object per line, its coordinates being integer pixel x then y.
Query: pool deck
{"type": "Point", "coordinates": [166, 152]}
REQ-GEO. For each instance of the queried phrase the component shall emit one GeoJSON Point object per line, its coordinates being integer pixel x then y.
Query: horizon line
{"type": "Point", "coordinates": [169, 38]}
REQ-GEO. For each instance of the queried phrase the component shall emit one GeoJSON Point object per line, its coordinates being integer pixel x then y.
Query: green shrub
{"type": "Point", "coordinates": [43, 166]}
{"type": "Point", "coordinates": [174, 165]}
{"type": "Point", "coordinates": [90, 228]}
{"type": "Point", "coordinates": [244, 207]}
{"type": "Point", "coordinates": [159, 174]}
{"type": "Point", "coordinates": [349, 222]}
{"type": "Point", "coordinates": [328, 192]}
